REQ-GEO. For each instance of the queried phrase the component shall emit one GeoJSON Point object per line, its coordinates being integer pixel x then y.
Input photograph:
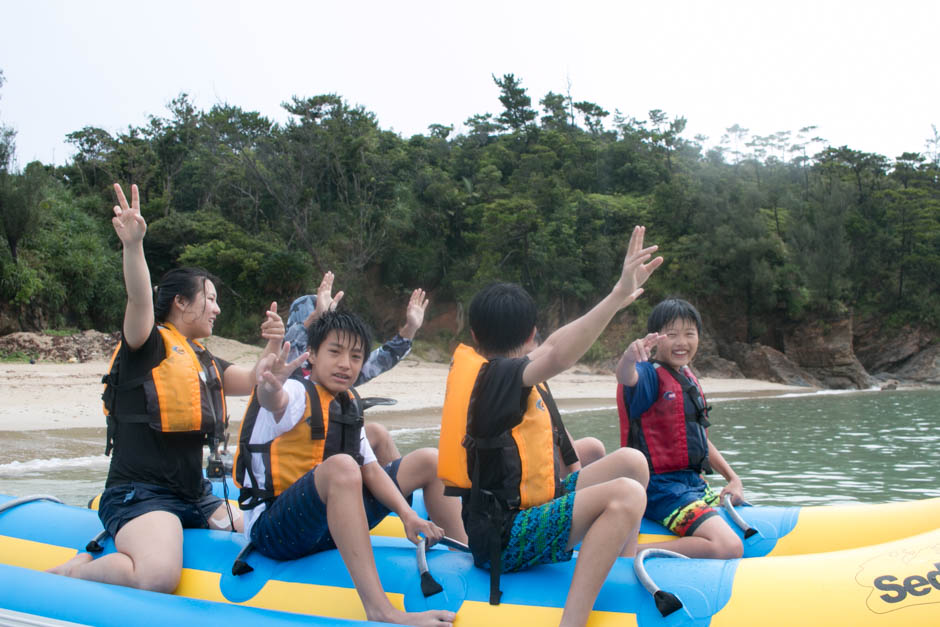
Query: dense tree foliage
{"type": "Point", "coordinates": [769, 229]}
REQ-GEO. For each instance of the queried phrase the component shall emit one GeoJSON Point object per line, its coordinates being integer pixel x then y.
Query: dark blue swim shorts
{"type": "Point", "coordinates": [123, 503]}
{"type": "Point", "coordinates": [295, 524]}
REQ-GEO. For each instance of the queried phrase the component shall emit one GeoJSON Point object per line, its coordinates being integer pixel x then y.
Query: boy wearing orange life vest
{"type": "Point", "coordinates": [500, 444]}
{"type": "Point", "coordinates": [307, 309]}
{"type": "Point", "coordinates": [310, 480]}
{"type": "Point", "coordinates": [664, 415]}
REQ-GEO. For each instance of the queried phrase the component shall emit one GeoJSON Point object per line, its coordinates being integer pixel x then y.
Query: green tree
{"type": "Point", "coordinates": [593, 116]}
{"type": "Point", "coordinates": [556, 108]}
{"type": "Point", "coordinates": [518, 113]}
{"type": "Point", "coordinates": [20, 197]}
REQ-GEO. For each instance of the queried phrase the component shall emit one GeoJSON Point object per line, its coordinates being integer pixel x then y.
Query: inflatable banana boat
{"type": "Point", "coordinates": [895, 583]}
{"type": "Point", "coordinates": [771, 530]}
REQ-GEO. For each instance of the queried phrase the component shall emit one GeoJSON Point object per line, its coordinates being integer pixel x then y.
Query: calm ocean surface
{"type": "Point", "coordinates": [816, 449]}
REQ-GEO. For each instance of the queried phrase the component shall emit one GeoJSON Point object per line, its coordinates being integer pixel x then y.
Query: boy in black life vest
{"type": "Point", "coordinates": [303, 460]}
{"type": "Point", "coordinates": [501, 441]}
{"type": "Point", "coordinates": [663, 414]}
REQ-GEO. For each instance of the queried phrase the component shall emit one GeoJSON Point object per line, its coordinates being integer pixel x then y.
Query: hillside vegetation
{"type": "Point", "coordinates": [760, 230]}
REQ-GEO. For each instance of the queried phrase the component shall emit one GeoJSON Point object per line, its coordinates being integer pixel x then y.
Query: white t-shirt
{"type": "Point", "coordinates": [266, 429]}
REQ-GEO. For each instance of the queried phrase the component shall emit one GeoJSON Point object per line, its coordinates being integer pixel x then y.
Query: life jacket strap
{"type": "Point", "coordinates": [692, 391]}
{"type": "Point", "coordinates": [250, 497]}
{"type": "Point", "coordinates": [501, 440]}
{"type": "Point", "coordinates": [112, 427]}
{"type": "Point", "coordinates": [489, 505]}
{"type": "Point", "coordinates": [495, 571]}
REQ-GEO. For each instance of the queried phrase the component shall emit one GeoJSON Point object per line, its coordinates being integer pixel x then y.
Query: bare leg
{"type": "Point", "coordinates": [624, 462]}
{"type": "Point", "coordinates": [219, 519]}
{"type": "Point", "coordinates": [339, 485]}
{"type": "Point", "coordinates": [418, 469]}
{"type": "Point", "coordinates": [606, 519]}
{"type": "Point", "coordinates": [149, 556]}
{"type": "Point", "coordinates": [382, 443]}
{"type": "Point", "coordinates": [589, 450]}
{"type": "Point", "coordinates": [713, 539]}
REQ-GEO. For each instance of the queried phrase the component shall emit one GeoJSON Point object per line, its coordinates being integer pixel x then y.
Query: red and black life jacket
{"type": "Point", "coordinates": [672, 432]}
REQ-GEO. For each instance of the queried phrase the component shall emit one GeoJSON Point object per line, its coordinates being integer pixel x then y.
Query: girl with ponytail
{"type": "Point", "coordinates": [165, 396]}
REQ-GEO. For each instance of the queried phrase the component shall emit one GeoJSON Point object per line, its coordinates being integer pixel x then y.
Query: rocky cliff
{"type": "Point", "coordinates": [829, 353]}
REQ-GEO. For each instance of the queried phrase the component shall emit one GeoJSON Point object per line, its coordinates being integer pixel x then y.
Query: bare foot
{"type": "Point", "coordinates": [430, 618]}
{"type": "Point", "coordinates": [67, 567]}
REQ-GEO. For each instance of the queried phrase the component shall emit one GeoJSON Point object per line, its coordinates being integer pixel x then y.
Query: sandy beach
{"type": "Point", "coordinates": [68, 395]}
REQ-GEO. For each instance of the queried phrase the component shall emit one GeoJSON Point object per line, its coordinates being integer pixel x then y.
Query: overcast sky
{"type": "Point", "coordinates": [864, 72]}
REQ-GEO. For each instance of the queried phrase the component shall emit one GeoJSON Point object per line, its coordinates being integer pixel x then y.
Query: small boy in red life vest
{"type": "Point", "coordinates": [663, 414]}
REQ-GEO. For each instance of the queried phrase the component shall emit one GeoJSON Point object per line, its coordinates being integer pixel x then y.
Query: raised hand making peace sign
{"type": "Point", "coordinates": [129, 225]}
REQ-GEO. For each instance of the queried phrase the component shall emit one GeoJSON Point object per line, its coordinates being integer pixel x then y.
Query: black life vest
{"type": "Point", "coordinates": [528, 454]}
{"type": "Point", "coordinates": [183, 392]}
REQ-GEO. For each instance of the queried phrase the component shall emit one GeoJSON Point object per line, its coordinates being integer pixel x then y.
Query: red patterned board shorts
{"type": "Point", "coordinates": [680, 501]}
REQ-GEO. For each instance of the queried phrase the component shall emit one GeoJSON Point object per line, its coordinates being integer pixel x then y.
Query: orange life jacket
{"type": "Point", "coordinates": [528, 448]}
{"type": "Point", "coordinates": [330, 425]}
{"type": "Point", "coordinates": [526, 454]}
{"type": "Point", "coordinates": [182, 394]}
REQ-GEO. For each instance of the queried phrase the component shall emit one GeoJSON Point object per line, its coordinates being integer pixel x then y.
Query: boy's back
{"type": "Point", "coordinates": [511, 483]}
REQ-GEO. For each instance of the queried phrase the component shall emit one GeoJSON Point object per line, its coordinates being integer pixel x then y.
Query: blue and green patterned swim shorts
{"type": "Point", "coordinates": [539, 535]}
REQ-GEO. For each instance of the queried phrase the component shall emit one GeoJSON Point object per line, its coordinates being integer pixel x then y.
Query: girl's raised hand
{"type": "Point", "coordinates": [272, 329]}
{"type": "Point", "coordinates": [129, 225]}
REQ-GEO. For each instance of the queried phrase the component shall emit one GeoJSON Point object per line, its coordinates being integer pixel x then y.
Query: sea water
{"type": "Point", "coordinates": [813, 449]}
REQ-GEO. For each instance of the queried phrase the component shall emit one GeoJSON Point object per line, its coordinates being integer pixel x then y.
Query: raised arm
{"type": "Point", "coordinates": [565, 346]}
{"type": "Point", "coordinates": [387, 356]}
{"type": "Point", "coordinates": [323, 301]}
{"type": "Point", "coordinates": [639, 350]}
{"type": "Point", "coordinates": [130, 227]}
{"type": "Point", "coordinates": [414, 314]}
{"type": "Point", "coordinates": [239, 380]}
{"type": "Point", "coordinates": [271, 371]}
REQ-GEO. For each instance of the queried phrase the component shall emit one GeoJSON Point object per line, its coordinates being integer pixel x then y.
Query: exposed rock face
{"type": "Point", "coordinates": [768, 364]}
{"type": "Point", "coordinates": [8, 322]}
{"type": "Point", "coordinates": [84, 346]}
{"type": "Point", "coordinates": [924, 367]}
{"type": "Point", "coordinates": [708, 362]}
{"type": "Point", "coordinates": [885, 352]}
{"type": "Point", "coordinates": [824, 350]}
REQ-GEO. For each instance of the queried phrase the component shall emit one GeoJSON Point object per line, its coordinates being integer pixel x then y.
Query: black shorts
{"type": "Point", "coordinates": [295, 524]}
{"type": "Point", "coordinates": [123, 503]}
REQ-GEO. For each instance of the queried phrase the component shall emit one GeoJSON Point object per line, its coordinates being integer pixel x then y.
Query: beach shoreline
{"type": "Point", "coordinates": [49, 395]}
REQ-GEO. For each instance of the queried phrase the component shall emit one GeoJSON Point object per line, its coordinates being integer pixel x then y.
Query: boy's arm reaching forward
{"type": "Point", "coordinates": [639, 350]}
{"type": "Point", "coordinates": [565, 346]}
{"type": "Point", "coordinates": [722, 467]}
{"type": "Point", "coordinates": [386, 492]}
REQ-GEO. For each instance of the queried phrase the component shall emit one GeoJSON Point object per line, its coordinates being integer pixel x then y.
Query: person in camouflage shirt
{"type": "Point", "coordinates": [306, 309]}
